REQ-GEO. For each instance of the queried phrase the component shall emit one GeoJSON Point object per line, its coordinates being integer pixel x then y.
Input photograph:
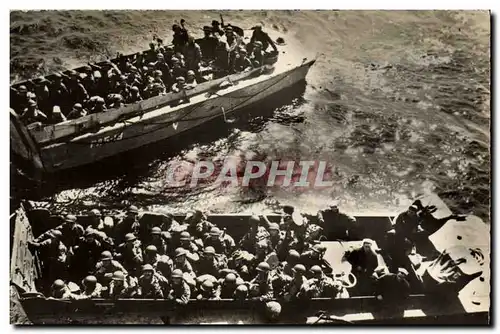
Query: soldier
{"type": "Point", "coordinates": [241, 292]}
{"type": "Point", "coordinates": [222, 242]}
{"type": "Point", "coordinates": [77, 112]}
{"type": "Point", "coordinates": [198, 225]}
{"type": "Point", "coordinates": [70, 230]}
{"type": "Point", "coordinates": [78, 93]}
{"type": "Point", "coordinates": [182, 263]}
{"type": "Point", "coordinates": [56, 116]}
{"type": "Point", "coordinates": [180, 291]}
{"type": "Point", "coordinates": [315, 256]}
{"type": "Point", "coordinates": [322, 286]}
{"type": "Point", "coordinates": [242, 62]}
{"type": "Point", "coordinates": [86, 255]}
{"type": "Point", "coordinates": [119, 287]}
{"type": "Point", "coordinates": [192, 52]}
{"type": "Point", "coordinates": [59, 290]}
{"type": "Point", "coordinates": [257, 56]}
{"type": "Point", "coordinates": [208, 291]}
{"type": "Point", "coordinates": [149, 286]}
{"type": "Point", "coordinates": [190, 247]}
{"type": "Point", "coordinates": [191, 80]}
{"type": "Point", "coordinates": [178, 70]}
{"type": "Point", "coordinates": [261, 286]}
{"type": "Point", "coordinates": [54, 255]}
{"type": "Point", "coordinates": [130, 253]}
{"type": "Point", "coordinates": [32, 114]}
{"type": "Point", "coordinates": [242, 262]}
{"type": "Point", "coordinates": [221, 61]}
{"type": "Point", "coordinates": [254, 235]}
{"type": "Point", "coordinates": [228, 286]}
{"type": "Point", "coordinates": [275, 237]}
{"type": "Point", "coordinates": [158, 241]}
{"type": "Point", "coordinates": [151, 255]}
{"type": "Point", "coordinates": [297, 286]}
{"type": "Point", "coordinates": [260, 36]}
{"type": "Point", "coordinates": [107, 227]}
{"type": "Point", "coordinates": [135, 95]}
{"type": "Point", "coordinates": [208, 263]}
{"type": "Point", "coordinates": [363, 259]}
{"type": "Point", "coordinates": [337, 225]}
{"type": "Point", "coordinates": [180, 36]}
{"type": "Point", "coordinates": [208, 44]}
{"type": "Point", "coordinates": [291, 260]}
{"type": "Point", "coordinates": [91, 288]}
{"type": "Point", "coordinates": [129, 224]}
{"type": "Point", "coordinates": [95, 219]}
{"type": "Point", "coordinates": [106, 267]}
{"type": "Point", "coordinates": [393, 288]}
{"type": "Point", "coordinates": [407, 226]}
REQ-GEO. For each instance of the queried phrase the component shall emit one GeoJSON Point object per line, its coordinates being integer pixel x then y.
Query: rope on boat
{"type": "Point", "coordinates": [180, 119]}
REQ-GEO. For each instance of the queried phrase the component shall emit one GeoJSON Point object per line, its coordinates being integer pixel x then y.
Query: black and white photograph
{"type": "Point", "coordinates": [250, 167]}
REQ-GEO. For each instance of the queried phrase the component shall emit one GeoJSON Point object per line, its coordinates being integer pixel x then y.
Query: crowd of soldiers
{"type": "Point", "coordinates": [161, 258]}
{"type": "Point", "coordinates": [161, 69]}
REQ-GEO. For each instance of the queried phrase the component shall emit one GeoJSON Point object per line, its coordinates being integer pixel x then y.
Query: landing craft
{"type": "Point", "coordinates": [436, 297]}
{"type": "Point", "coordinates": [74, 143]}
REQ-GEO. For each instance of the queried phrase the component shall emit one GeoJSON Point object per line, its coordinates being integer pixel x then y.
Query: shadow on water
{"type": "Point", "coordinates": [131, 167]}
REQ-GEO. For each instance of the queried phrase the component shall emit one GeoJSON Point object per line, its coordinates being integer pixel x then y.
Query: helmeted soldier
{"type": "Point", "coordinates": [70, 229]}
{"type": "Point", "coordinates": [254, 235]}
{"type": "Point", "coordinates": [129, 224]}
{"type": "Point", "coordinates": [149, 286]}
{"type": "Point", "coordinates": [315, 256]}
{"type": "Point", "coordinates": [322, 286]}
{"type": "Point", "coordinates": [363, 259]}
{"type": "Point", "coordinates": [151, 255]}
{"type": "Point", "coordinates": [106, 267]}
{"type": "Point", "coordinates": [158, 241]}
{"type": "Point", "coordinates": [95, 219]}
{"type": "Point", "coordinates": [292, 259]}
{"type": "Point", "coordinates": [297, 286]}
{"type": "Point", "coordinates": [91, 288]}
{"type": "Point", "coordinates": [54, 255]}
{"type": "Point", "coordinates": [86, 255]}
{"type": "Point", "coordinates": [241, 292]}
{"type": "Point", "coordinates": [120, 287]}
{"type": "Point", "coordinates": [208, 291]}
{"type": "Point", "coordinates": [32, 114]}
{"type": "Point", "coordinates": [180, 291]}
{"type": "Point", "coordinates": [242, 262]}
{"type": "Point", "coordinates": [208, 263]}
{"type": "Point", "coordinates": [275, 237]}
{"type": "Point", "coordinates": [228, 286]}
{"type": "Point", "coordinates": [190, 247]}
{"type": "Point", "coordinates": [336, 225]}
{"type": "Point", "coordinates": [130, 253]}
{"type": "Point", "coordinates": [393, 288]}
{"type": "Point", "coordinates": [60, 290]}
{"type": "Point", "coordinates": [164, 266]}
{"type": "Point", "coordinates": [407, 224]}
{"type": "Point", "coordinates": [181, 262]}
{"type": "Point", "coordinates": [198, 225]}
{"type": "Point", "coordinates": [261, 286]}
{"type": "Point", "coordinates": [222, 242]}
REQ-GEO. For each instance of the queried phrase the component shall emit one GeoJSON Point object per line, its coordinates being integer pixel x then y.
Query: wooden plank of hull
{"type": "Point", "coordinates": [71, 128]}
{"type": "Point", "coordinates": [157, 125]}
{"type": "Point", "coordinates": [21, 142]}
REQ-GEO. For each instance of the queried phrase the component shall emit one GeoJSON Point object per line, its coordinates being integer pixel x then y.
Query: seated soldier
{"type": "Point", "coordinates": [242, 262]}
{"type": "Point", "coordinates": [208, 263]}
{"type": "Point", "coordinates": [261, 287]}
{"type": "Point", "coordinates": [262, 37]}
{"type": "Point", "coordinates": [130, 253]}
{"type": "Point", "coordinates": [291, 260]}
{"type": "Point", "coordinates": [105, 268]}
{"type": "Point", "coordinates": [315, 256]}
{"type": "Point", "coordinates": [180, 291]}
{"type": "Point", "coordinates": [393, 288]}
{"type": "Point", "coordinates": [337, 225]}
{"type": "Point", "coordinates": [151, 255]}
{"type": "Point", "coordinates": [363, 259]}
{"type": "Point", "coordinates": [180, 85]}
{"type": "Point", "coordinates": [135, 95]}
{"type": "Point", "coordinates": [242, 62]}
{"type": "Point", "coordinates": [222, 242]}
{"type": "Point", "coordinates": [157, 240]}
{"type": "Point", "coordinates": [241, 292]}
{"type": "Point", "coordinates": [191, 80]}
{"type": "Point", "coordinates": [190, 247]}
{"type": "Point", "coordinates": [297, 286]}
{"type": "Point", "coordinates": [120, 287]}
{"type": "Point", "coordinates": [149, 286]}
{"type": "Point", "coordinates": [228, 285]}
{"type": "Point", "coordinates": [77, 112]}
{"type": "Point", "coordinates": [198, 225]}
{"type": "Point", "coordinates": [181, 263]}
{"type": "Point", "coordinates": [59, 290]}
{"type": "Point", "coordinates": [322, 286]}
{"type": "Point", "coordinates": [257, 55]}
{"type": "Point", "coordinates": [255, 234]}
{"type": "Point", "coordinates": [91, 288]}
{"type": "Point", "coordinates": [32, 114]}
{"type": "Point", "coordinates": [208, 291]}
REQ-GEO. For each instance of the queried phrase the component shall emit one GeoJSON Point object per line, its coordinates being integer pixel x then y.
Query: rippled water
{"type": "Point", "coordinates": [397, 104]}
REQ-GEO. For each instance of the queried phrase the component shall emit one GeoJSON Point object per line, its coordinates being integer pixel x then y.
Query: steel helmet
{"type": "Point", "coordinates": [106, 255]}
{"type": "Point", "coordinates": [209, 250]}
{"type": "Point", "coordinates": [185, 236]}
{"type": "Point", "coordinates": [257, 43]}
{"type": "Point", "coordinates": [94, 212]}
{"type": "Point", "coordinates": [299, 268]}
{"type": "Point", "coordinates": [133, 209]}
{"type": "Point", "coordinates": [254, 219]}
{"type": "Point", "coordinates": [215, 231]}
{"type": "Point", "coordinates": [273, 309]}
{"type": "Point", "coordinates": [147, 267]}
{"type": "Point", "coordinates": [91, 279]}
{"type": "Point", "coordinates": [177, 273]}
{"type": "Point", "coordinates": [130, 237]}
{"type": "Point", "coordinates": [160, 56]}
{"type": "Point", "coordinates": [156, 230]}
{"type": "Point", "coordinates": [58, 284]}
{"type": "Point", "coordinates": [264, 267]}
{"type": "Point", "coordinates": [181, 79]}
{"type": "Point", "coordinates": [32, 103]}
{"type": "Point", "coordinates": [78, 106]}
{"type": "Point", "coordinates": [134, 89]}
{"type": "Point", "coordinates": [158, 73]}
{"type": "Point", "coordinates": [241, 290]}
{"type": "Point", "coordinates": [180, 251]}
{"type": "Point", "coordinates": [151, 249]}
{"type": "Point", "coordinates": [274, 226]}
{"type": "Point", "coordinates": [190, 73]}
{"type": "Point", "coordinates": [230, 278]}
{"type": "Point", "coordinates": [293, 254]}
{"type": "Point", "coordinates": [319, 249]}
{"type": "Point", "coordinates": [118, 276]}
{"type": "Point", "coordinates": [207, 285]}
{"type": "Point", "coordinates": [22, 89]}
{"type": "Point", "coordinates": [56, 233]}
{"type": "Point", "coordinates": [316, 269]}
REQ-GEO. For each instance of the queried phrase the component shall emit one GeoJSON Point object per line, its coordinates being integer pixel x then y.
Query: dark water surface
{"type": "Point", "coordinates": [397, 104]}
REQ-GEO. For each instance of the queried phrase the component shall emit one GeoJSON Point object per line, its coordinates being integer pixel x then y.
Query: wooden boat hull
{"type": "Point", "coordinates": [164, 122]}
